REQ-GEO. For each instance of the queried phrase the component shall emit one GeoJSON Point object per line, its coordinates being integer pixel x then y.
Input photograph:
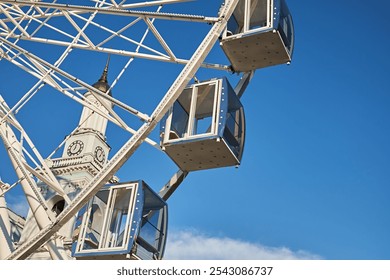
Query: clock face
{"type": "Point", "coordinates": [99, 154]}
{"type": "Point", "coordinates": [75, 148]}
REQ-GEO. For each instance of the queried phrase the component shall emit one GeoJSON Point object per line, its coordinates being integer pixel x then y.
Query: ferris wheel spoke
{"type": "Point", "coordinates": [160, 39]}
{"type": "Point", "coordinates": [109, 170]}
{"type": "Point", "coordinates": [40, 164]}
{"type": "Point", "coordinates": [119, 34]}
{"type": "Point", "coordinates": [83, 39]}
{"type": "Point", "coordinates": [14, 148]}
{"type": "Point", "coordinates": [122, 4]}
{"type": "Point", "coordinates": [37, 68]}
{"type": "Point", "coordinates": [5, 187]}
{"type": "Point", "coordinates": [112, 116]}
{"type": "Point", "coordinates": [13, 21]}
{"type": "Point", "coordinates": [74, 193]}
{"type": "Point", "coordinates": [41, 69]}
{"type": "Point", "coordinates": [113, 11]}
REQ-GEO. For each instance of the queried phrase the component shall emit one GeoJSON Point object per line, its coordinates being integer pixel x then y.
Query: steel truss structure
{"type": "Point", "coordinates": [120, 28]}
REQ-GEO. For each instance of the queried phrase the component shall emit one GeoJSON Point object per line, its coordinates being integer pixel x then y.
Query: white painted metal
{"type": "Point", "coordinates": [44, 173]}
{"type": "Point", "coordinates": [113, 11]}
{"type": "Point", "coordinates": [134, 142]}
{"type": "Point", "coordinates": [37, 204]}
{"type": "Point", "coordinates": [170, 187]}
{"type": "Point", "coordinates": [88, 44]}
{"type": "Point", "coordinates": [243, 83]}
{"type": "Point", "coordinates": [143, 4]}
{"type": "Point", "coordinates": [174, 182]}
{"type": "Point", "coordinates": [6, 246]}
{"type": "Point", "coordinates": [16, 25]}
{"type": "Point", "coordinates": [262, 35]}
{"type": "Point", "coordinates": [43, 75]}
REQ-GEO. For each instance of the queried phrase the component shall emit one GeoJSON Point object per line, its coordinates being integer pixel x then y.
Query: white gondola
{"type": "Point", "coordinates": [124, 221]}
{"type": "Point", "coordinates": [205, 128]}
{"type": "Point", "coordinates": [260, 33]}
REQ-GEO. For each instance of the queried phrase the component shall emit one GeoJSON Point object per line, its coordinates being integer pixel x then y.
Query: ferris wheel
{"type": "Point", "coordinates": [166, 79]}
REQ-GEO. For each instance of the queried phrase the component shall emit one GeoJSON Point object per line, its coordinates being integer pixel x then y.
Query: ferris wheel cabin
{"type": "Point", "coordinates": [205, 128]}
{"type": "Point", "coordinates": [260, 33]}
{"type": "Point", "coordinates": [124, 221]}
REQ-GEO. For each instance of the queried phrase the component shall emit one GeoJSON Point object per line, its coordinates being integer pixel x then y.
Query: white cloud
{"type": "Point", "coordinates": [187, 245]}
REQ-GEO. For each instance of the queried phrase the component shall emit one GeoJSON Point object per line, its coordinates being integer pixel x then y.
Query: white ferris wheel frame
{"type": "Point", "coordinates": [17, 18]}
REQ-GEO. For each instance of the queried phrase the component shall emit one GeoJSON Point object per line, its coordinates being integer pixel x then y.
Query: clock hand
{"type": "Point", "coordinates": [74, 148]}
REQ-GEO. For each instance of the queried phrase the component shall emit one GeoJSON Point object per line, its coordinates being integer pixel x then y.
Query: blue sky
{"type": "Point", "coordinates": [315, 176]}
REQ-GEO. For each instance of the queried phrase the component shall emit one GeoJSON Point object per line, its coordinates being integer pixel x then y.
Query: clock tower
{"type": "Point", "coordinates": [84, 155]}
{"type": "Point", "coordinates": [86, 150]}
{"type": "Point", "coordinates": [88, 142]}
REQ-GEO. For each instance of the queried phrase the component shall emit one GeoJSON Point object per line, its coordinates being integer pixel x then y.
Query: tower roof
{"type": "Point", "coordinates": [102, 83]}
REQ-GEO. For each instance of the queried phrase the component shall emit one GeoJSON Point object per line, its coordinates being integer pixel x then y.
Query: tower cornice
{"type": "Point", "coordinates": [85, 162]}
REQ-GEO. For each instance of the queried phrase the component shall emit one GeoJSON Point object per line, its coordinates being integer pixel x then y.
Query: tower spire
{"type": "Point", "coordinates": [102, 83]}
{"type": "Point", "coordinates": [103, 78]}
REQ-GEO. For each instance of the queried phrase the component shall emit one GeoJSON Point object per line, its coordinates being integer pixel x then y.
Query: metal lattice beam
{"type": "Point", "coordinates": [135, 141]}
